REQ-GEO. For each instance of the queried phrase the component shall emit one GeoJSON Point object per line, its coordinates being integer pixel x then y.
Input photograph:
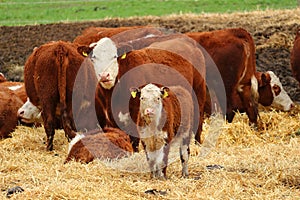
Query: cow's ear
{"type": "Point", "coordinates": [123, 49]}
{"type": "Point", "coordinates": [135, 92]}
{"type": "Point", "coordinates": [84, 50]}
{"type": "Point", "coordinates": [164, 92]}
{"type": "Point", "coordinates": [2, 77]}
{"type": "Point", "coordinates": [266, 78]}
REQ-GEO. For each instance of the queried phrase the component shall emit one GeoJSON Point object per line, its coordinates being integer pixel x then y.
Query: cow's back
{"type": "Point", "coordinates": [94, 34]}
{"type": "Point", "coordinates": [227, 47]}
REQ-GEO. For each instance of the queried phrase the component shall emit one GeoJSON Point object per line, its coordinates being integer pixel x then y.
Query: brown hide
{"type": "Point", "coordinates": [9, 105]}
{"type": "Point", "coordinates": [93, 34]}
{"type": "Point", "coordinates": [20, 92]}
{"type": "Point", "coordinates": [113, 143]}
{"type": "Point", "coordinates": [295, 57]}
{"type": "Point", "coordinates": [233, 52]}
{"type": "Point", "coordinates": [49, 77]}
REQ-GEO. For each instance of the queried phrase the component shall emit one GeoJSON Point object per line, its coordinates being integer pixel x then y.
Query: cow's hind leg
{"type": "Point", "coordinates": [48, 115]}
{"type": "Point", "coordinates": [184, 155]}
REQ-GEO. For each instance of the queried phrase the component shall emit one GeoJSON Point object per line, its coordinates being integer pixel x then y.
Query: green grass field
{"type": "Point", "coordinates": [22, 12]}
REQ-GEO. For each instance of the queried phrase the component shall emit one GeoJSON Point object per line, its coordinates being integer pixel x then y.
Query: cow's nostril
{"type": "Point", "coordinates": [21, 113]}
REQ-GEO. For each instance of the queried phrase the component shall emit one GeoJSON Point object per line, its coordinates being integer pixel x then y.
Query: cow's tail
{"type": "Point", "coordinates": [63, 62]}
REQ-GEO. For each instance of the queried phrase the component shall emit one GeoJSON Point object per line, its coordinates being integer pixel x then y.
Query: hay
{"type": "Point", "coordinates": [261, 164]}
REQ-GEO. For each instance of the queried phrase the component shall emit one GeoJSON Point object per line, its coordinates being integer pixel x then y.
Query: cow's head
{"type": "Point", "coordinates": [271, 92]}
{"type": "Point", "coordinates": [103, 55]}
{"type": "Point", "coordinates": [29, 113]}
{"type": "Point", "coordinates": [151, 101]}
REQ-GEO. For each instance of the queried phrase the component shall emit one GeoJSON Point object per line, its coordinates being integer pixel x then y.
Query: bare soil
{"type": "Point", "coordinates": [273, 32]}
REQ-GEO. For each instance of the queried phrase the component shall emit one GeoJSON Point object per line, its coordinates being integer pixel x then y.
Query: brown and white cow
{"type": "Point", "coordinates": [271, 93]}
{"type": "Point", "coordinates": [227, 47]}
{"type": "Point", "coordinates": [295, 57]}
{"type": "Point", "coordinates": [109, 143]}
{"type": "Point", "coordinates": [176, 61]}
{"type": "Point", "coordinates": [165, 118]}
{"type": "Point", "coordinates": [9, 104]}
{"type": "Point", "coordinates": [233, 51]}
{"type": "Point", "coordinates": [49, 75]}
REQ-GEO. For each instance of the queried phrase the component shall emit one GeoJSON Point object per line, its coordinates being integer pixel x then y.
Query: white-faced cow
{"type": "Point", "coordinates": [233, 51]}
{"type": "Point", "coordinates": [165, 118]}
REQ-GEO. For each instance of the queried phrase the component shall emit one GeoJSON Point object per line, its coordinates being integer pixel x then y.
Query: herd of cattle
{"type": "Point", "coordinates": [114, 88]}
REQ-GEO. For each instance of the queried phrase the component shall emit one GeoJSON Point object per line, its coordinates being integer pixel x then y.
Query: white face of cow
{"type": "Point", "coordinates": [151, 104]}
{"type": "Point", "coordinates": [29, 113]}
{"type": "Point", "coordinates": [104, 57]}
{"type": "Point", "coordinates": [281, 98]}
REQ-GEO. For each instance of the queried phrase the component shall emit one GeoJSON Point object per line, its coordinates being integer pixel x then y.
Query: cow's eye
{"type": "Point", "coordinates": [276, 89]}
{"type": "Point", "coordinates": [142, 98]}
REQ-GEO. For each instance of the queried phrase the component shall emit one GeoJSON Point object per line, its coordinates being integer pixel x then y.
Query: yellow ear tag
{"type": "Point", "coordinates": [165, 94]}
{"type": "Point", "coordinates": [124, 56]}
{"type": "Point", "coordinates": [133, 94]}
{"type": "Point", "coordinates": [84, 54]}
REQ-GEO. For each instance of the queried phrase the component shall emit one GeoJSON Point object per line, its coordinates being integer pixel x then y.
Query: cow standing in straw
{"type": "Point", "coordinates": [165, 118]}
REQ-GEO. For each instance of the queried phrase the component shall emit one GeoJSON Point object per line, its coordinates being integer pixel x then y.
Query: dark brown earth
{"type": "Point", "coordinates": [273, 32]}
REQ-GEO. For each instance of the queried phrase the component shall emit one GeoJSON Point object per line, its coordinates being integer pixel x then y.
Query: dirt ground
{"type": "Point", "coordinates": [273, 32]}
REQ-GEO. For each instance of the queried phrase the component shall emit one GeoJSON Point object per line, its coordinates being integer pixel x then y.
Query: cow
{"type": "Point", "coordinates": [270, 90]}
{"type": "Point", "coordinates": [165, 116]}
{"type": "Point", "coordinates": [49, 76]}
{"type": "Point", "coordinates": [233, 52]}
{"type": "Point", "coordinates": [295, 57]}
{"type": "Point", "coordinates": [9, 104]}
{"type": "Point", "coordinates": [220, 45]}
{"type": "Point", "coordinates": [176, 61]}
{"type": "Point", "coordinates": [107, 143]}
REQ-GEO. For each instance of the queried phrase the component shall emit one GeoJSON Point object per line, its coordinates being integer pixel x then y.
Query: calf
{"type": "Point", "coordinates": [295, 57]}
{"type": "Point", "coordinates": [113, 143]}
{"type": "Point", "coordinates": [9, 104]}
{"type": "Point", "coordinates": [165, 117]}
